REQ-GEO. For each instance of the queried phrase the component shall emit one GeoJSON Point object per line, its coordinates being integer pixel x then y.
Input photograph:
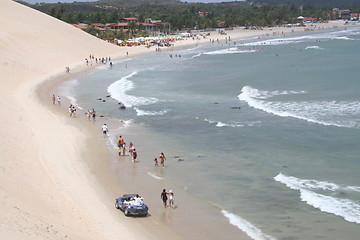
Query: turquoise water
{"type": "Point", "coordinates": [268, 129]}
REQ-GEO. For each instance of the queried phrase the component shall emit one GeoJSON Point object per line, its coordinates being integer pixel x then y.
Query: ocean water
{"type": "Point", "coordinates": [267, 129]}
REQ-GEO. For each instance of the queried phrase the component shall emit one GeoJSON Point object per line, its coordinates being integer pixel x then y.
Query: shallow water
{"type": "Point", "coordinates": [266, 129]}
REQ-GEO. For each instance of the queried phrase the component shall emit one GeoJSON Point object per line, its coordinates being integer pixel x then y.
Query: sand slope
{"type": "Point", "coordinates": [45, 191]}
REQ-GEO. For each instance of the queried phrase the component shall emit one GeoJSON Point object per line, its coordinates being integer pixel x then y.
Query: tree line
{"type": "Point", "coordinates": [181, 15]}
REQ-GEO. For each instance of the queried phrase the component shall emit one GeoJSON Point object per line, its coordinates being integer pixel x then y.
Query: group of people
{"type": "Point", "coordinates": [136, 200]}
{"type": "Point", "coordinates": [162, 160]}
{"type": "Point", "coordinates": [97, 60]}
{"type": "Point", "coordinates": [56, 99]}
{"type": "Point", "coordinates": [133, 153]}
{"type": "Point", "coordinates": [122, 149]}
{"type": "Point", "coordinates": [91, 113]}
{"type": "Point", "coordinates": [72, 110]}
{"type": "Point", "coordinates": [164, 197]}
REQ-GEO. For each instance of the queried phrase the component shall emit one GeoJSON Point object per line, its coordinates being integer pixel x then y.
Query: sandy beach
{"type": "Point", "coordinates": [56, 182]}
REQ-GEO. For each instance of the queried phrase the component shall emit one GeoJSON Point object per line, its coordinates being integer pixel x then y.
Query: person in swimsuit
{"type": "Point", "coordinates": [164, 197]}
{"type": "Point", "coordinates": [135, 156]}
{"type": "Point", "coordinates": [162, 159]}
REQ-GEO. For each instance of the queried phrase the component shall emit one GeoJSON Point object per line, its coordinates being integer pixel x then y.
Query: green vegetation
{"type": "Point", "coordinates": [187, 16]}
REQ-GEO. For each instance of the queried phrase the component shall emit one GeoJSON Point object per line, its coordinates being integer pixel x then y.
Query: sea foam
{"type": "Point", "coordinates": [232, 124]}
{"type": "Point", "coordinates": [118, 90]}
{"type": "Point", "coordinates": [140, 112]}
{"type": "Point", "coordinates": [329, 113]}
{"type": "Point", "coordinates": [313, 47]}
{"type": "Point", "coordinates": [345, 208]}
{"type": "Point", "coordinates": [251, 230]}
{"type": "Point", "coordinates": [67, 90]}
{"type": "Point", "coordinates": [229, 51]}
{"type": "Point", "coordinates": [338, 35]}
{"type": "Point", "coordinates": [154, 176]}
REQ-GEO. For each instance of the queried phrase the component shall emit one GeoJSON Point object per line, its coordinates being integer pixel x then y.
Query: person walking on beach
{"type": "Point", "coordinates": [121, 145]}
{"type": "Point", "coordinates": [104, 129]}
{"type": "Point", "coordinates": [53, 99]}
{"type": "Point", "coordinates": [135, 156]}
{"type": "Point", "coordinates": [164, 197]}
{"type": "Point", "coordinates": [70, 110]}
{"type": "Point", "coordinates": [124, 149]}
{"type": "Point", "coordinates": [58, 100]}
{"type": "Point", "coordinates": [73, 110]}
{"type": "Point", "coordinates": [131, 148]}
{"type": "Point", "coordinates": [93, 114]}
{"type": "Point", "coordinates": [162, 159]}
{"type": "Point", "coordinates": [88, 114]}
{"type": "Point", "coordinates": [171, 199]}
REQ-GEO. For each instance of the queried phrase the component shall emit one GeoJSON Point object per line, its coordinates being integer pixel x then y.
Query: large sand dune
{"type": "Point", "coordinates": [45, 192]}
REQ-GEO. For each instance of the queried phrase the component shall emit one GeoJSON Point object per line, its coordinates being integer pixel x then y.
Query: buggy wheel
{"type": "Point", "coordinates": [117, 205]}
{"type": "Point", "coordinates": [126, 212]}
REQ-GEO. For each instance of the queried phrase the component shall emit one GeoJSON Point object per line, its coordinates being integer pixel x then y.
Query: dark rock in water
{"type": "Point", "coordinates": [176, 156]}
{"type": "Point", "coordinates": [122, 107]}
{"type": "Point", "coordinates": [99, 99]}
{"type": "Point", "coordinates": [180, 159]}
{"type": "Point", "coordinates": [216, 103]}
{"type": "Point", "coordinates": [102, 116]}
{"type": "Point", "coordinates": [235, 107]}
{"type": "Point", "coordinates": [108, 96]}
{"type": "Point", "coordinates": [103, 100]}
{"type": "Point", "coordinates": [199, 156]}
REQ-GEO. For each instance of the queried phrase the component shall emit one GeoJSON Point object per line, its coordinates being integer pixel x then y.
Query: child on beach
{"type": "Point", "coordinates": [134, 157]}
{"type": "Point", "coordinates": [58, 99]}
{"type": "Point", "coordinates": [131, 149]}
{"type": "Point", "coordinates": [156, 162]}
{"type": "Point", "coordinates": [119, 150]}
{"type": "Point", "coordinates": [124, 149]}
{"type": "Point", "coordinates": [171, 199]}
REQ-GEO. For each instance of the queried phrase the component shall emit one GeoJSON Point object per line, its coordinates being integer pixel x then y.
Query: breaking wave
{"type": "Point", "coordinates": [345, 208]}
{"type": "Point", "coordinates": [313, 47]}
{"type": "Point", "coordinates": [229, 51]}
{"type": "Point", "coordinates": [118, 91]}
{"type": "Point", "coordinates": [140, 112]}
{"type": "Point", "coordinates": [67, 89]}
{"type": "Point", "coordinates": [251, 230]}
{"type": "Point", "coordinates": [329, 113]}
{"type": "Point", "coordinates": [232, 123]}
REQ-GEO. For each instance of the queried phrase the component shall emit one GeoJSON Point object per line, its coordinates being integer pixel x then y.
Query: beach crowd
{"type": "Point", "coordinates": [166, 197]}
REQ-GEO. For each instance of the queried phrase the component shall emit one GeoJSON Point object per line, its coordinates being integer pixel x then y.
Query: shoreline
{"type": "Point", "coordinates": [106, 168]}
{"type": "Point", "coordinates": [112, 156]}
{"type": "Point", "coordinates": [54, 180]}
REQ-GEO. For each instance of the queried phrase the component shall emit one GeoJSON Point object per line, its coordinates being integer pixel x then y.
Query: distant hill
{"type": "Point", "coordinates": [315, 3]}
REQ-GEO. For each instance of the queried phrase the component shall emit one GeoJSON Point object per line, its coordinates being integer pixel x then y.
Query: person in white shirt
{"type": "Point", "coordinates": [104, 129]}
{"type": "Point", "coordinates": [171, 199]}
{"type": "Point", "coordinates": [138, 200]}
